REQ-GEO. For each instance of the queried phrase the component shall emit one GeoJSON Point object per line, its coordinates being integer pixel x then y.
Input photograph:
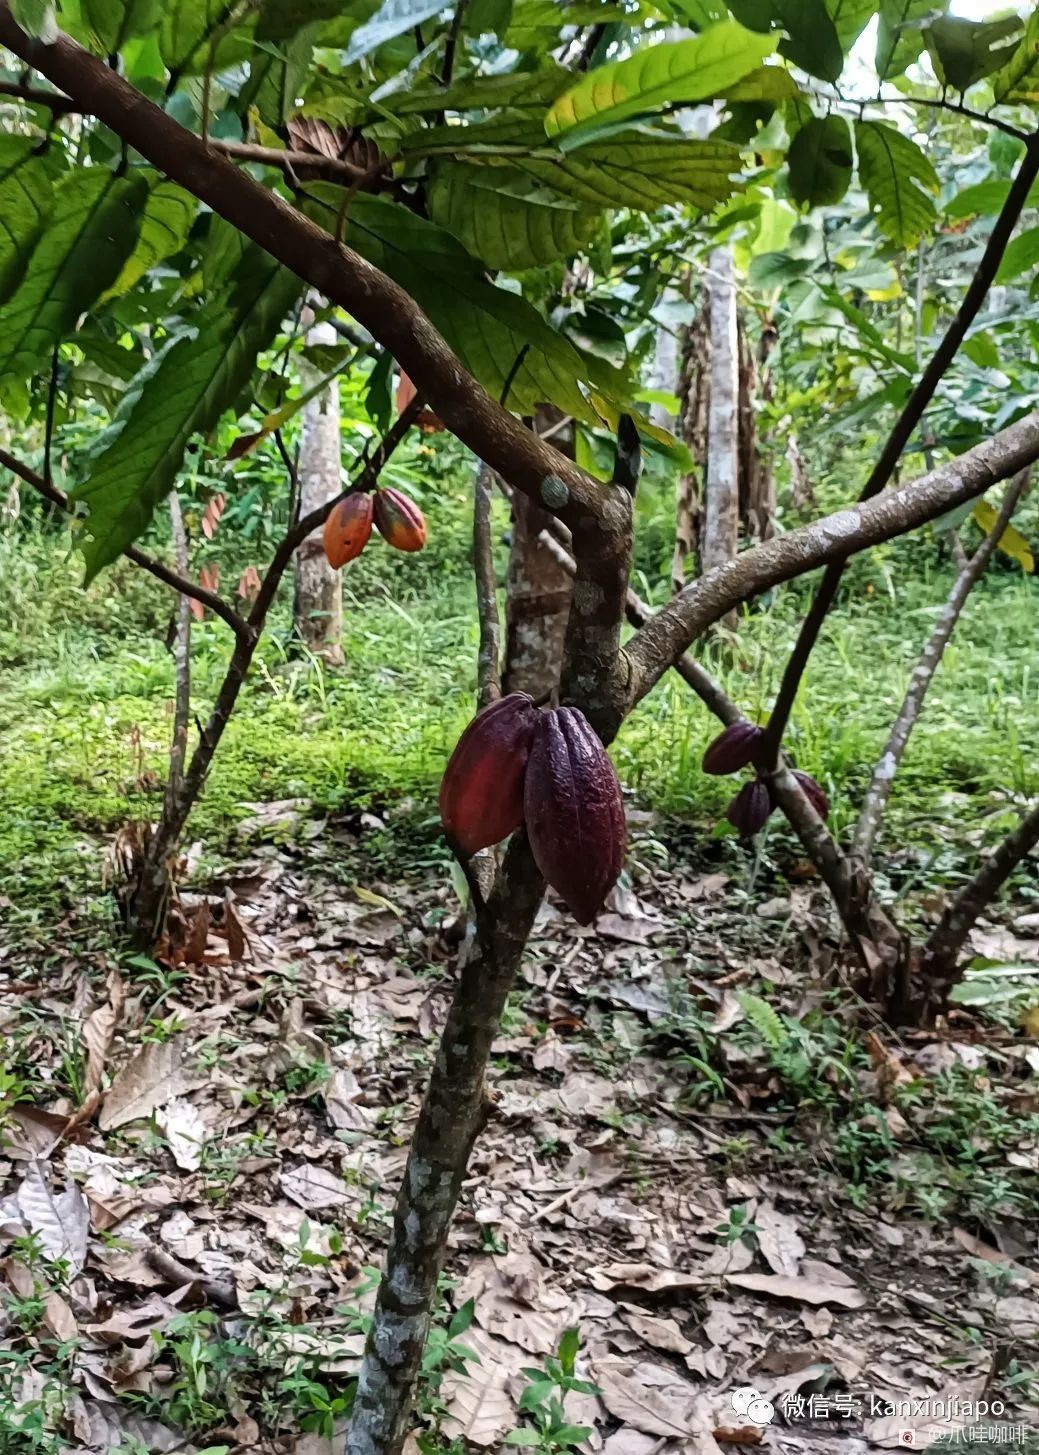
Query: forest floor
{"type": "Point", "coordinates": [700, 1157]}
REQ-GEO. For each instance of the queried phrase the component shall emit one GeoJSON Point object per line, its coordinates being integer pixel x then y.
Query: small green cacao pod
{"type": "Point", "coordinates": [481, 793]}
{"type": "Point", "coordinates": [749, 811]}
{"type": "Point", "coordinates": [733, 749]}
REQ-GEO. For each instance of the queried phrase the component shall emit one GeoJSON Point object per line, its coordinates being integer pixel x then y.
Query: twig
{"type": "Point", "coordinates": [52, 400]}
{"type": "Point", "coordinates": [221, 1294]}
{"type": "Point", "coordinates": [36, 96]}
{"type": "Point", "coordinates": [452, 42]}
{"type": "Point", "coordinates": [333, 169]}
{"type": "Point", "coordinates": [488, 666]}
{"type": "Point", "coordinates": [937, 103]}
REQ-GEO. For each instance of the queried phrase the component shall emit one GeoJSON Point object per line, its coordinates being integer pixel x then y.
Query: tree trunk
{"type": "Point", "coordinates": [538, 591]}
{"type": "Point", "coordinates": [693, 394]}
{"type": "Point", "coordinates": [757, 481]}
{"type": "Point", "coordinates": [318, 601]}
{"type": "Point", "coordinates": [721, 502]}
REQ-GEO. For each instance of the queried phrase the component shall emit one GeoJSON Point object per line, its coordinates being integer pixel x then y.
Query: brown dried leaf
{"type": "Point", "coordinates": [781, 1245]}
{"type": "Point", "coordinates": [153, 1077]}
{"type": "Point", "coordinates": [212, 513]}
{"type": "Point", "coordinates": [802, 1290]}
{"type": "Point", "coordinates": [99, 1030]}
{"type": "Point", "coordinates": [60, 1219]}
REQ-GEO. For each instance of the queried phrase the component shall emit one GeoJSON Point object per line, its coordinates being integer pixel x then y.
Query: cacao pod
{"type": "Point", "coordinates": [399, 520]}
{"type": "Point", "coordinates": [749, 811]}
{"type": "Point", "coordinates": [574, 811]}
{"type": "Point", "coordinates": [733, 749]}
{"type": "Point", "coordinates": [481, 793]}
{"type": "Point", "coordinates": [347, 528]}
{"type": "Point", "coordinates": [814, 793]}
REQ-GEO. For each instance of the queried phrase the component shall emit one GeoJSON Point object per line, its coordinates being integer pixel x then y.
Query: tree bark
{"type": "Point", "coordinates": [318, 596]}
{"type": "Point", "coordinates": [488, 662]}
{"type": "Point", "coordinates": [537, 592]}
{"type": "Point", "coordinates": [923, 674]}
{"type": "Point", "coordinates": [693, 393]}
{"type": "Point", "coordinates": [181, 658]}
{"type": "Point", "coordinates": [721, 497]}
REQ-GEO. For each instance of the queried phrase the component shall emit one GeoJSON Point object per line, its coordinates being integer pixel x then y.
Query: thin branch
{"type": "Point", "coordinates": [332, 169]}
{"type": "Point", "coordinates": [907, 422]}
{"type": "Point", "coordinates": [156, 568]}
{"type": "Point", "coordinates": [452, 41]}
{"type": "Point", "coordinates": [488, 671]}
{"type": "Point", "coordinates": [52, 402]}
{"type": "Point", "coordinates": [381, 306]}
{"type": "Point", "coordinates": [923, 674]}
{"type": "Point", "coordinates": [943, 104]}
{"type": "Point", "coordinates": [35, 96]}
{"type": "Point", "coordinates": [181, 657]}
{"type": "Point", "coordinates": [834, 538]}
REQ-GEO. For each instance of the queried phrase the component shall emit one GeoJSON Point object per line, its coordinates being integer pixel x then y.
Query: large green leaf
{"type": "Point", "coordinates": [965, 51]}
{"type": "Point", "coordinates": [673, 72]}
{"type": "Point", "coordinates": [811, 35]}
{"type": "Point", "coordinates": [520, 88]}
{"type": "Point", "coordinates": [900, 35]}
{"type": "Point", "coordinates": [109, 24]}
{"type": "Point", "coordinates": [1021, 256]}
{"type": "Point", "coordinates": [165, 223]}
{"type": "Point", "coordinates": [393, 18]}
{"type": "Point", "coordinates": [278, 74]}
{"type": "Point", "coordinates": [505, 217]}
{"type": "Point", "coordinates": [96, 217]}
{"type": "Point", "coordinates": [25, 200]}
{"type": "Point", "coordinates": [183, 391]}
{"type": "Point", "coordinates": [850, 18]}
{"type": "Point", "coordinates": [196, 33]}
{"type": "Point", "coordinates": [701, 13]}
{"type": "Point", "coordinates": [821, 161]}
{"type": "Point", "coordinates": [1018, 80]}
{"type": "Point", "coordinates": [641, 171]}
{"type": "Point", "coordinates": [900, 182]}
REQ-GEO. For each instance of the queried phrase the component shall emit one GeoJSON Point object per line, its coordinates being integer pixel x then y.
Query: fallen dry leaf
{"type": "Point", "coordinates": [61, 1220]}
{"type": "Point", "coordinates": [781, 1245]}
{"type": "Point", "coordinates": [803, 1290]}
{"type": "Point", "coordinates": [156, 1075]}
{"type": "Point", "coordinates": [183, 1126]}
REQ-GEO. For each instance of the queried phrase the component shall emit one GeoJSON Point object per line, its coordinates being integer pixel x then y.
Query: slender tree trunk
{"type": "Point", "coordinates": [721, 514]}
{"type": "Point", "coordinates": [488, 664]}
{"type": "Point", "coordinates": [693, 394]}
{"type": "Point", "coordinates": [923, 675]}
{"type": "Point", "coordinates": [537, 600]}
{"type": "Point", "coordinates": [318, 603]}
{"type": "Point", "coordinates": [181, 658]}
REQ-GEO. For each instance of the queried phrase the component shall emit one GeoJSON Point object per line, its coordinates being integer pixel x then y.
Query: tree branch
{"type": "Point", "coordinates": [332, 169]}
{"type": "Point", "coordinates": [488, 665]}
{"type": "Point", "coordinates": [834, 538]}
{"type": "Point", "coordinates": [381, 306]}
{"type": "Point", "coordinates": [174, 579]}
{"type": "Point", "coordinates": [923, 674]}
{"type": "Point", "coordinates": [35, 96]}
{"type": "Point", "coordinates": [907, 422]}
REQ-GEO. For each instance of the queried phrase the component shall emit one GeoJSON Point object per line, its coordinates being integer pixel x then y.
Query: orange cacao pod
{"type": "Point", "coordinates": [347, 529]}
{"type": "Point", "coordinates": [399, 520]}
{"type": "Point", "coordinates": [574, 811]}
{"type": "Point", "coordinates": [481, 793]}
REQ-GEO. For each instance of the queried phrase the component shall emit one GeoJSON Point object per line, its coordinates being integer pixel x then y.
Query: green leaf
{"type": "Point", "coordinates": [984, 199]}
{"type": "Point", "coordinates": [660, 75]}
{"type": "Point", "coordinates": [965, 51]}
{"type": "Point", "coordinates": [488, 17]}
{"type": "Point", "coordinates": [95, 221]}
{"type": "Point", "coordinates": [194, 32]}
{"type": "Point", "coordinates": [900, 35]}
{"type": "Point", "coordinates": [183, 391]}
{"type": "Point", "coordinates": [702, 13]}
{"type": "Point", "coordinates": [644, 172]}
{"type": "Point", "coordinates": [1012, 543]}
{"type": "Point", "coordinates": [899, 180]}
{"type": "Point", "coordinates": [109, 24]}
{"type": "Point", "coordinates": [36, 17]}
{"type": "Point", "coordinates": [505, 217]}
{"type": "Point", "coordinates": [278, 74]}
{"type": "Point", "coordinates": [981, 349]}
{"type": "Point", "coordinates": [1018, 80]}
{"type": "Point", "coordinates": [812, 41]}
{"type": "Point", "coordinates": [462, 1319]}
{"type": "Point", "coordinates": [522, 88]}
{"type": "Point", "coordinates": [569, 1344]}
{"type": "Point", "coordinates": [764, 83]}
{"type": "Point", "coordinates": [850, 18]}
{"type": "Point", "coordinates": [821, 161]}
{"type": "Point", "coordinates": [393, 18]}
{"type": "Point", "coordinates": [1021, 256]}
{"type": "Point", "coordinates": [165, 223]}
{"type": "Point", "coordinates": [25, 204]}
{"type": "Point", "coordinates": [524, 1437]}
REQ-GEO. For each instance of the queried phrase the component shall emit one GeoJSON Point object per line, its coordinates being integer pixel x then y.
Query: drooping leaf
{"type": "Point", "coordinates": [165, 223]}
{"type": "Point", "coordinates": [393, 18]}
{"type": "Point", "coordinates": [278, 74]}
{"type": "Point", "coordinates": [965, 51]}
{"type": "Point", "coordinates": [644, 172]}
{"type": "Point", "coordinates": [1021, 256]}
{"type": "Point", "coordinates": [984, 199]}
{"type": "Point", "coordinates": [181, 392]}
{"type": "Point", "coordinates": [681, 71]}
{"type": "Point", "coordinates": [25, 200]}
{"type": "Point", "coordinates": [702, 13]}
{"type": "Point", "coordinates": [94, 226]}
{"type": "Point", "coordinates": [821, 161]}
{"type": "Point", "coordinates": [522, 88]}
{"type": "Point", "coordinates": [850, 18]}
{"type": "Point", "coordinates": [1012, 543]}
{"type": "Point", "coordinates": [195, 33]}
{"type": "Point", "coordinates": [1018, 80]}
{"type": "Point", "coordinates": [109, 24]}
{"type": "Point", "coordinates": [900, 182]}
{"type": "Point", "coordinates": [505, 217]}
{"type": "Point", "coordinates": [811, 35]}
{"type": "Point", "coordinates": [900, 35]}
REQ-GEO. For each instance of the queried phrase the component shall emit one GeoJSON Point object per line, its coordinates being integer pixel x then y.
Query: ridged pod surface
{"type": "Point", "coordinates": [574, 811]}
{"type": "Point", "coordinates": [815, 794]}
{"type": "Point", "coordinates": [733, 749]}
{"type": "Point", "coordinates": [399, 520]}
{"type": "Point", "coordinates": [749, 811]}
{"type": "Point", "coordinates": [481, 793]}
{"type": "Point", "coordinates": [347, 529]}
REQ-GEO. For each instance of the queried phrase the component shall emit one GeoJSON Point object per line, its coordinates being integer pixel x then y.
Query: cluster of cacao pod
{"type": "Point", "coordinates": [518, 764]}
{"type": "Point", "coordinates": [349, 525]}
{"type": "Point", "coordinates": [739, 746]}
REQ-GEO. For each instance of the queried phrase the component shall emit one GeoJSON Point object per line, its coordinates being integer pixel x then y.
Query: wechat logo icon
{"type": "Point", "coordinates": [750, 1404]}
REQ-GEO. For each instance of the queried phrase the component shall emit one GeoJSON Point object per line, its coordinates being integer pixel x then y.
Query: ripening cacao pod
{"type": "Point", "coordinates": [347, 528]}
{"type": "Point", "coordinates": [574, 811]}
{"type": "Point", "coordinates": [814, 793]}
{"type": "Point", "coordinates": [749, 811]}
{"type": "Point", "coordinates": [399, 520]}
{"type": "Point", "coordinates": [733, 749]}
{"type": "Point", "coordinates": [481, 793]}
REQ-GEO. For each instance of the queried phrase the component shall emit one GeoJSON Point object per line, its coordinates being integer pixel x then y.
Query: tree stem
{"type": "Point", "coordinates": [488, 664]}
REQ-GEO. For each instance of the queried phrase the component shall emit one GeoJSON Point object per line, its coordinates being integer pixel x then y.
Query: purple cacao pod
{"type": "Point", "coordinates": [574, 811]}
{"type": "Point", "coordinates": [814, 793]}
{"type": "Point", "coordinates": [481, 793]}
{"type": "Point", "coordinates": [749, 811]}
{"type": "Point", "coordinates": [733, 749]}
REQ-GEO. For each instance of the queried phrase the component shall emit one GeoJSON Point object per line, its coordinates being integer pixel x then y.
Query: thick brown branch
{"type": "Point", "coordinates": [923, 674]}
{"type": "Point", "coordinates": [156, 568]}
{"type": "Point", "coordinates": [834, 538]}
{"type": "Point", "coordinates": [389, 313]}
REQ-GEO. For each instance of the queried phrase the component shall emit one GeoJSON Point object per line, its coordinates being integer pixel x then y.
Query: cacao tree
{"type": "Point", "coordinates": [435, 174]}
